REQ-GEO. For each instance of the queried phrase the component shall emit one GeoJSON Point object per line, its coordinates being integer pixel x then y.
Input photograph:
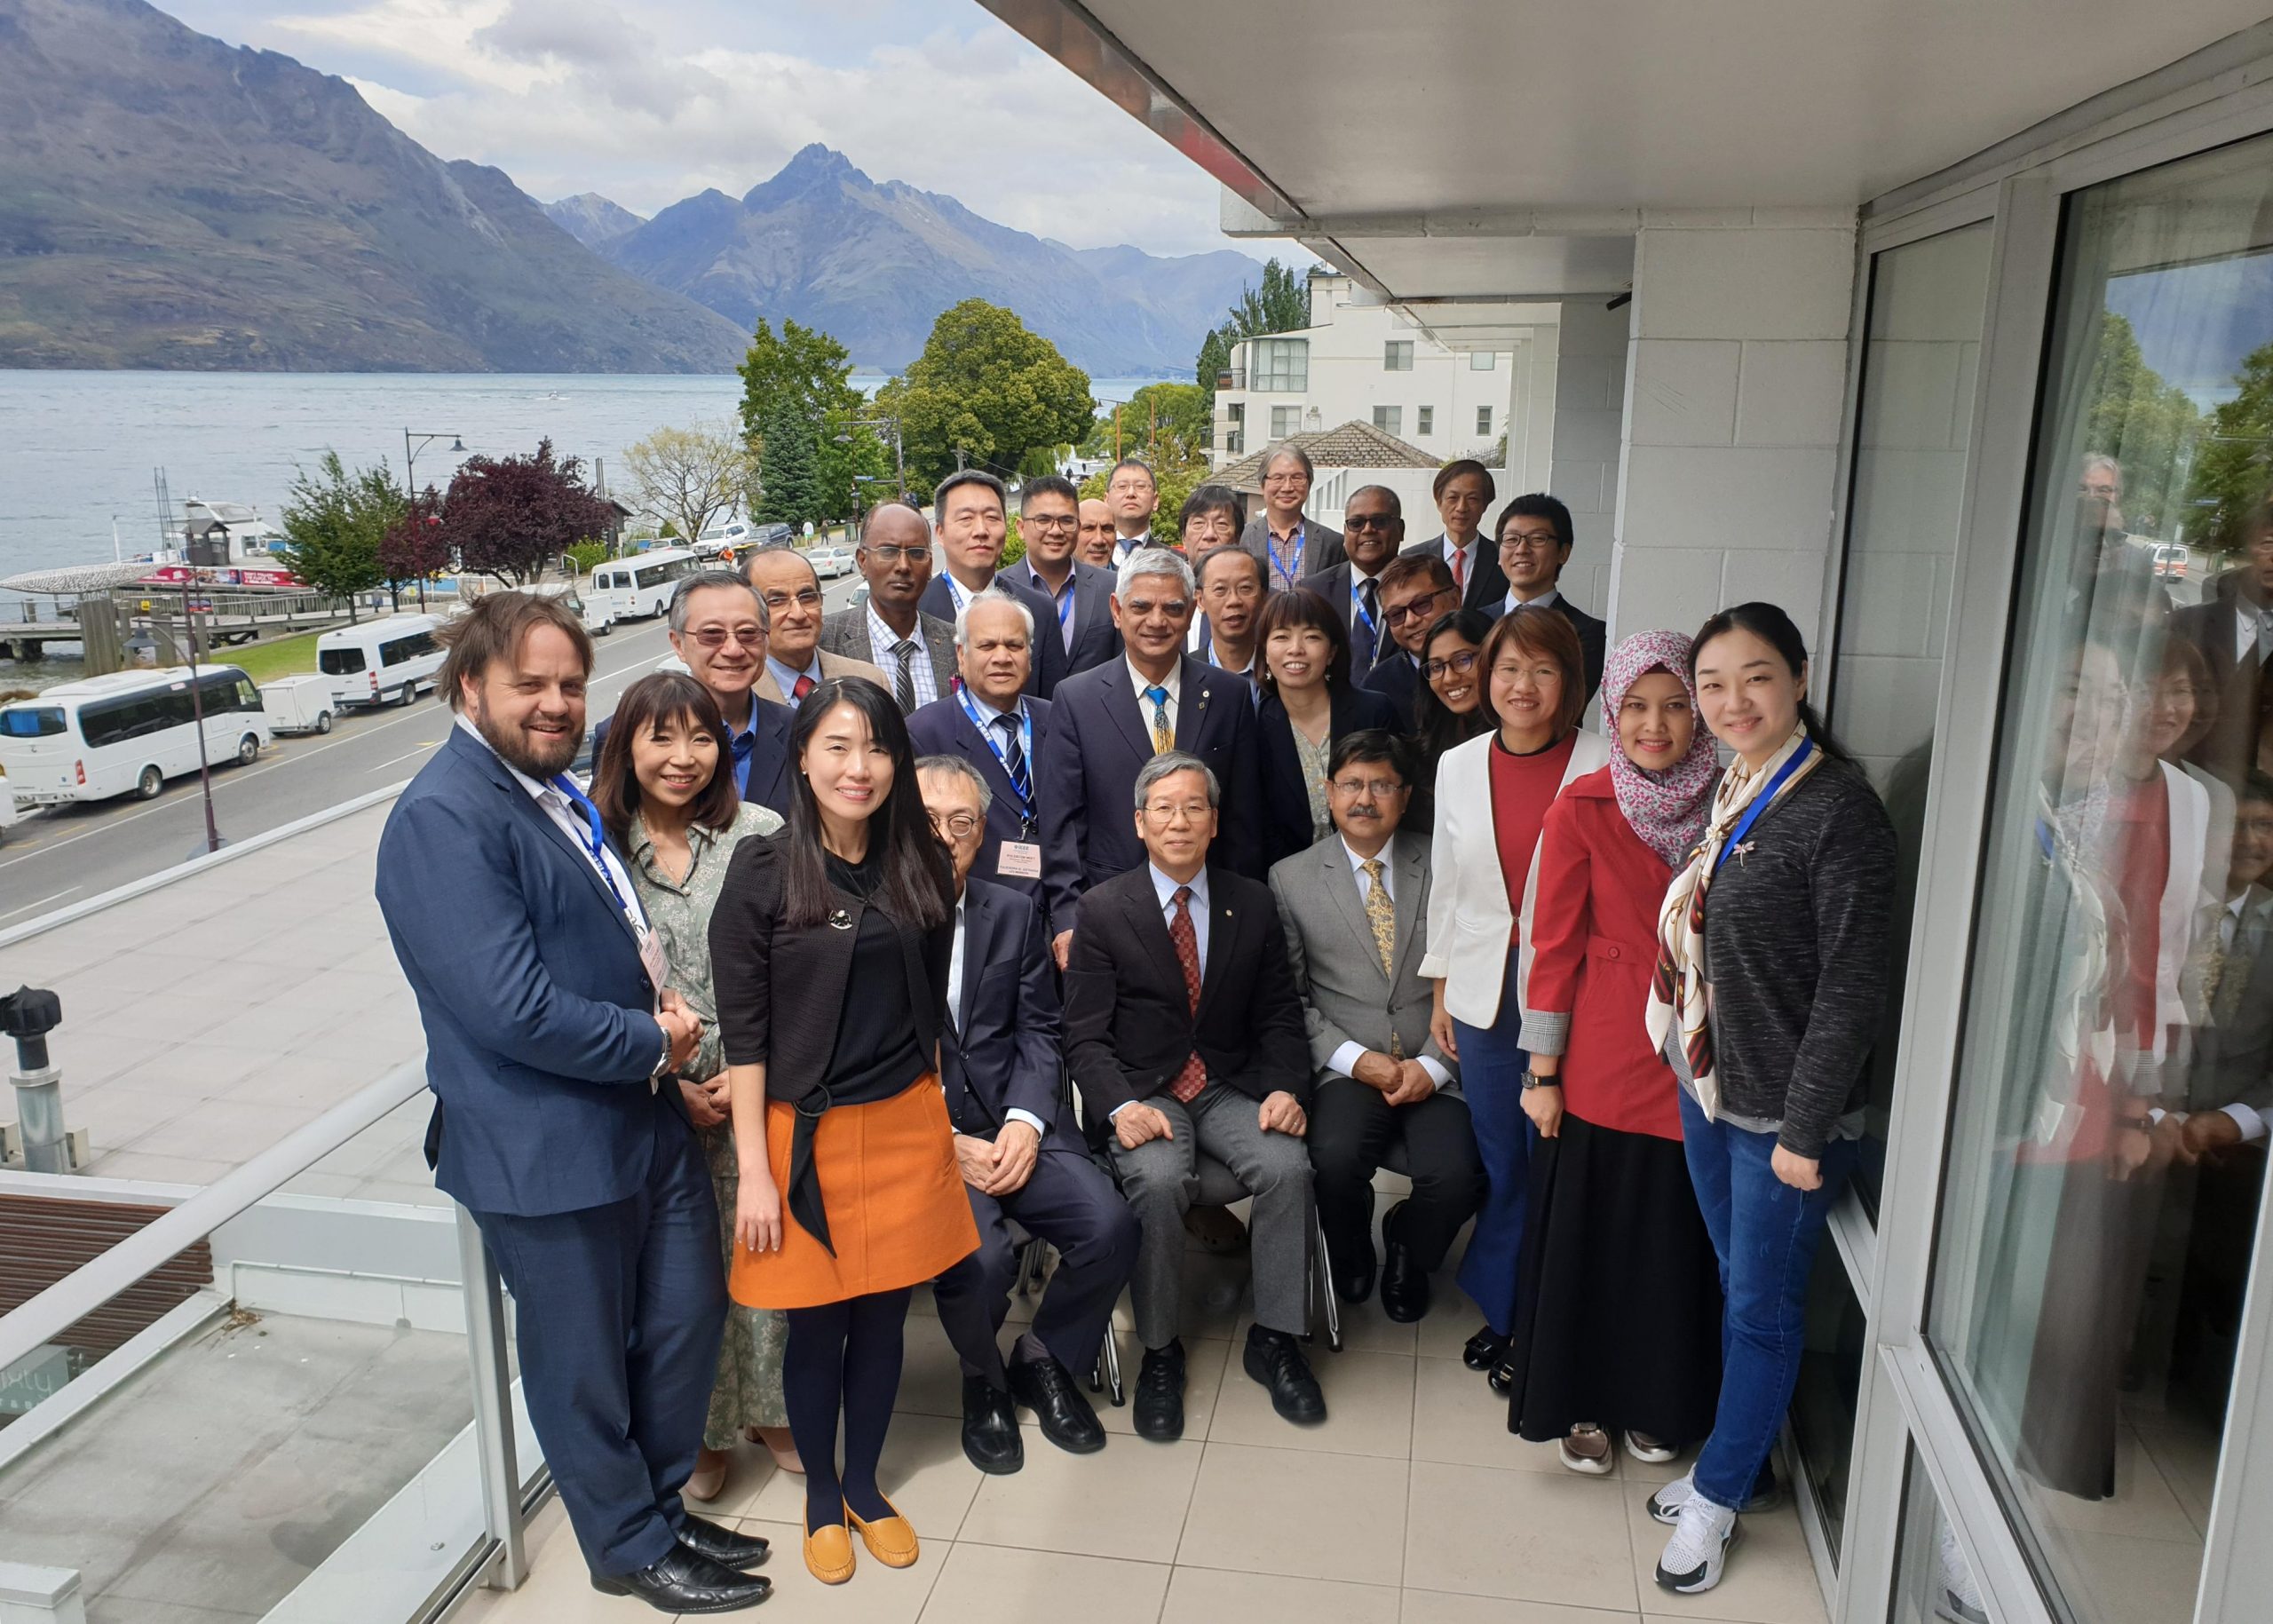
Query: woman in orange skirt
{"type": "Point", "coordinates": [850, 1194]}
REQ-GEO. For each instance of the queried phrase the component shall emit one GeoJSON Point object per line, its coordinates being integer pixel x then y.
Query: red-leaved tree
{"type": "Point", "coordinates": [511, 515]}
{"type": "Point", "coordinates": [413, 546]}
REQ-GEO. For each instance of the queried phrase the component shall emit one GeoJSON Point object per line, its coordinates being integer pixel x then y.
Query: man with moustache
{"type": "Point", "coordinates": [1374, 529]}
{"type": "Point", "coordinates": [1096, 542]}
{"type": "Point", "coordinates": [889, 632]}
{"type": "Point", "coordinates": [971, 514]}
{"type": "Point", "coordinates": [549, 1048]}
{"type": "Point", "coordinates": [1049, 510]}
{"type": "Point", "coordinates": [796, 663]}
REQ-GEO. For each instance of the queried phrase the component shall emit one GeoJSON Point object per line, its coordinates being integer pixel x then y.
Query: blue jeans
{"type": "Point", "coordinates": [1765, 1233]}
{"type": "Point", "coordinates": [1491, 1063]}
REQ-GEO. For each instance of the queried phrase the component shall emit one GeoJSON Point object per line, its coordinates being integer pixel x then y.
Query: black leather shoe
{"type": "Point", "coordinates": [687, 1581]}
{"type": "Point", "coordinates": [990, 1428]}
{"type": "Point", "coordinates": [1501, 1376]}
{"type": "Point", "coordinates": [721, 1544]}
{"type": "Point", "coordinates": [1484, 1349]}
{"type": "Point", "coordinates": [1405, 1284]}
{"type": "Point", "coordinates": [1274, 1359]}
{"type": "Point", "coordinates": [1048, 1390]}
{"type": "Point", "coordinates": [1159, 1394]}
{"type": "Point", "coordinates": [1352, 1257]}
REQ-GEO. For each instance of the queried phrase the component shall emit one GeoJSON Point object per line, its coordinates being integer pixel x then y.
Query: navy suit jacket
{"type": "Point", "coordinates": [1487, 582]}
{"type": "Point", "coordinates": [1099, 741]}
{"type": "Point", "coordinates": [1049, 666]}
{"type": "Point", "coordinates": [1000, 1052]}
{"type": "Point", "coordinates": [1096, 639]}
{"type": "Point", "coordinates": [941, 728]}
{"type": "Point", "coordinates": [1593, 638]}
{"type": "Point", "coordinates": [1398, 677]}
{"type": "Point", "coordinates": [1334, 586]}
{"type": "Point", "coordinates": [1286, 801]}
{"type": "Point", "coordinates": [769, 758]}
{"type": "Point", "coordinates": [539, 1036]}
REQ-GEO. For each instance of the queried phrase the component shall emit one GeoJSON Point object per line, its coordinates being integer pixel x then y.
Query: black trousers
{"type": "Point", "coordinates": [1351, 1128]}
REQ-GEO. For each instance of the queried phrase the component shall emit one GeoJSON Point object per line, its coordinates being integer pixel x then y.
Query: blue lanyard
{"type": "Point", "coordinates": [1025, 743]}
{"type": "Point", "coordinates": [1358, 607]}
{"type": "Point", "coordinates": [596, 839]}
{"type": "Point", "coordinates": [1759, 803]}
{"type": "Point", "coordinates": [1287, 572]}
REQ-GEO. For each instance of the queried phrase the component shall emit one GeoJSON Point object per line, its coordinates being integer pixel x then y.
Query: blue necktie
{"type": "Point", "coordinates": [1014, 760]}
{"type": "Point", "coordinates": [742, 745]}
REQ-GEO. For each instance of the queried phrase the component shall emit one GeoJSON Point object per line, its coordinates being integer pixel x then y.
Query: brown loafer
{"type": "Point", "coordinates": [889, 1540]}
{"type": "Point", "coordinates": [828, 1554]}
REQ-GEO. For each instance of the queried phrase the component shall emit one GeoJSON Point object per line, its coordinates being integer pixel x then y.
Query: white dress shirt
{"type": "Point", "coordinates": [1122, 546]}
{"type": "Point", "coordinates": [1172, 682]}
{"type": "Point", "coordinates": [954, 1017]}
{"type": "Point", "coordinates": [959, 594]}
{"type": "Point", "coordinates": [881, 638]}
{"type": "Point", "coordinates": [571, 823]}
{"type": "Point", "coordinates": [1545, 600]}
{"type": "Point", "coordinates": [2249, 641]}
{"type": "Point", "coordinates": [1455, 555]}
{"type": "Point", "coordinates": [1346, 1058]}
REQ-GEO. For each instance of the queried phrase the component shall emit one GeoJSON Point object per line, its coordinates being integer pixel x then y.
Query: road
{"type": "Point", "coordinates": [53, 858]}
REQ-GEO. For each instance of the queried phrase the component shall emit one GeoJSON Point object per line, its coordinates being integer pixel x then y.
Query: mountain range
{"type": "Point", "coordinates": [873, 264]}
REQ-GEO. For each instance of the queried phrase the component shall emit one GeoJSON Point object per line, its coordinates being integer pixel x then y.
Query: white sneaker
{"type": "Point", "coordinates": [1699, 1551]}
{"type": "Point", "coordinates": [1665, 1505]}
{"type": "Point", "coordinates": [1961, 1600]}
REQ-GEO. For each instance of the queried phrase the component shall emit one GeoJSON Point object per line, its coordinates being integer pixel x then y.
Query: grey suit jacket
{"type": "Point", "coordinates": [846, 632]}
{"type": "Point", "coordinates": [1347, 997]}
{"type": "Point", "coordinates": [2232, 1061]}
{"type": "Point", "coordinates": [831, 665]}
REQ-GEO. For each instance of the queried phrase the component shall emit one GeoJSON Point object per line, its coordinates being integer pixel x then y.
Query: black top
{"type": "Point", "coordinates": [876, 1053]}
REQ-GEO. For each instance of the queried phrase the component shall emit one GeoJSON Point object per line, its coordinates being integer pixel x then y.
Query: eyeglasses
{"type": "Point", "coordinates": [1168, 812]}
{"type": "Point", "coordinates": [1380, 788]}
{"type": "Point", "coordinates": [1455, 665]}
{"type": "Point", "coordinates": [1057, 523]}
{"type": "Point", "coordinates": [715, 637]}
{"type": "Point", "coordinates": [895, 554]}
{"type": "Point", "coordinates": [807, 597]}
{"type": "Point", "coordinates": [1175, 608]}
{"type": "Point", "coordinates": [957, 826]}
{"type": "Point", "coordinates": [1417, 608]}
{"type": "Point", "coordinates": [1370, 521]}
{"type": "Point", "coordinates": [1537, 541]}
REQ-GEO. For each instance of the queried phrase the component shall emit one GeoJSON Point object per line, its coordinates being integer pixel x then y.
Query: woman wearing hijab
{"type": "Point", "coordinates": [1618, 1325]}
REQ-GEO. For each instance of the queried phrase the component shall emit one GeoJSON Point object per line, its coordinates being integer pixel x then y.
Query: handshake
{"type": "Point", "coordinates": [682, 1026]}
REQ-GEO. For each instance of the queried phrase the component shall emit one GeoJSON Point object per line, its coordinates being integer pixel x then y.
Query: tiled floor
{"type": "Point", "coordinates": [1412, 1503]}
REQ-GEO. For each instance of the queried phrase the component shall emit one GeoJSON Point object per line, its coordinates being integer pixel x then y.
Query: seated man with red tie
{"type": "Point", "coordinates": [1185, 1033]}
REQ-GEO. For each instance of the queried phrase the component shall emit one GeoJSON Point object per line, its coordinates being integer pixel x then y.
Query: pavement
{"type": "Point", "coordinates": [64, 855]}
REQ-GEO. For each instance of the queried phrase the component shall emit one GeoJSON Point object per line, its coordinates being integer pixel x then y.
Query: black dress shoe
{"type": "Point", "coordinates": [721, 1544]}
{"type": "Point", "coordinates": [1484, 1349]}
{"type": "Point", "coordinates": [1273, 1359]}
{"type": "Point", "coordinates": [990, 1428]}
{"type": "Point", "coordinates": [1159, 1394]}
{"type": "Point", "coordinates": [687, 1581]}
{"type": "Point", "coordinates": [1405, 1284]}
{"type": "Point", "coordinates": [1502, 1373]}
{"type": "Point", "coordinates": [1353, 1267]}
{"type": "Point", "coordinates": [1048, 1390]}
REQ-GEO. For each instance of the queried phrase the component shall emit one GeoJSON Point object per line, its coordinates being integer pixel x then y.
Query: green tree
{"type": "Point", "coordinates": [334, 521]}
{"type": "Point", "coordinates": [789, 490]}
{"type": "Point", "coordinates": [2144, 424]}
{"type": "Point", "coordinates": [984, 393]}
{"type": "Point", "coordinates": [809, 374]}
{"type": "Point", "coordinates": [1279, 304]}
{"type": "Point", "coordinates": [2235, 467]}
{"type": "Point", "coordinates": [691, 476]}
{"type": "Point", "coordinates": [1177, 480]}
{"type": "Point", "coordinates": [1161, 423]}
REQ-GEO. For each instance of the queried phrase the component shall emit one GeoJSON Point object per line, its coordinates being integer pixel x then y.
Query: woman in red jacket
{"type": "Point", "coordinates": [1618, 1317]}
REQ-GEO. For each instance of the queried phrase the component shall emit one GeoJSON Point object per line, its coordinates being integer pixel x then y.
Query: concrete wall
{"type": "Point", "coordinates": [1735, 383]}
{"type": "Point", "coordinates": [1589, 394]}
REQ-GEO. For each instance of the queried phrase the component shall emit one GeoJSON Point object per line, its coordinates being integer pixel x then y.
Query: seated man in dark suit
{"type": "Point", "coordinates": [915, 651]}
{"type": "Point", "coordinates": [1185, 1033]}
{"type": "Point", "coordinates": [998, 728]}
{"type": "Point", "coordinates": [1355, 908]}
{"type": "Point", "coordinates": [1534, 536]}
{"type": "Point", "coordinates": [1023, 1159]}
{"type": "Point", "coordinates": [1107, 723]}
{"type": "Point", "coordinates": [1416, 588]}
{"type": "Point", "coordinates": [973, 523]}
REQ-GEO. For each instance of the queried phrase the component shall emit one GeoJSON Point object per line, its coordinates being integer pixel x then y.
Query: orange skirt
{"type": "Point", "coordinates": [897, 1210]}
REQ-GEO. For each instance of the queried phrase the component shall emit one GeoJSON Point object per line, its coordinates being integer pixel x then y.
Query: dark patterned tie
{"type": "Point", "coordinates": [903, 686]}
{"type": "Point", "coordinates": [1014, 760]}
{"type": "Point", "coordinates": [1193, 1077]}
{"type": "Point", "coordinates": [1362, 644]}
{"type": "Point", "coordinates": [805, 686]}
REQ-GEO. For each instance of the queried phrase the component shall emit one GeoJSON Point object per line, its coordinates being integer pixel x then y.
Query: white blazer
{"type": "Point", "coordinates": [1469, 921]}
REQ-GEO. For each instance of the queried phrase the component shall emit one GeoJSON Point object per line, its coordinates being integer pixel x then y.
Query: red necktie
{"type": "Point", "coordinates": [1193, 1077]}
{"type": "Point", "coordinates": [805, 686]}
{"type": "Point", "coordinates": [1459, 569]}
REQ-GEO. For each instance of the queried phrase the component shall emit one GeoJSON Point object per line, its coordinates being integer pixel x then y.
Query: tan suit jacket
{"type": "Point", "coordinates": [831, 665]}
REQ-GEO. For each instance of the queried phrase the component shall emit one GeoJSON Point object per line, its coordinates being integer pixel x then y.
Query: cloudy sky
{"type": "Point", "coordinates": [650, 103]}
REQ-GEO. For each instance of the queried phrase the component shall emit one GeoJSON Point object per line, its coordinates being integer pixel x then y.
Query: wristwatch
{"type": "Point", "coordinates": [1532, 1080]}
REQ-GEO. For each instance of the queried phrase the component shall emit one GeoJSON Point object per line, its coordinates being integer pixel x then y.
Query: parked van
{"type": "Point", "coordinates": [128, 731]}
{"type": "Point", "coordinates": [380, 662]}
{"type": "Point", "coordinates": [592, 611]}
{"type": "Point", "coordinates": [635, 588]}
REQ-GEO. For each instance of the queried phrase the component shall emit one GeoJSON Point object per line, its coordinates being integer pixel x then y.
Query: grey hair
{"type": "Point", "coordinates": [1288, 448]}
{"type": "Point", "coordinates": [1168, 762]}
{"type": "Point", "coordinates": [1155, 561]}
{"type": "Point", "coordinates": [955, 766]}
{"type": "Point", "coordinates": [992, 592]}
{"type": "Point", "coordinates": [703, 580]}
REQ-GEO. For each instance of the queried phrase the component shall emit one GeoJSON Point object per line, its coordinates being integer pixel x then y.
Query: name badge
{"type": "Point", "coordinates": [1021, 859]}
{"type": "Point", "coordinates": [652, 959]}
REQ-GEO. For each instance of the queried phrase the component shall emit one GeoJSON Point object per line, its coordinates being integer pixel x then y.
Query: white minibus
{"type": "Point", "coordinates": [642, 585]}
{"type": "Point", "coordinates": [380, 661]}
{"type": "Point", "coordinates": [131, 731]}
{"type": "Point", "coordinates": [592, 611]}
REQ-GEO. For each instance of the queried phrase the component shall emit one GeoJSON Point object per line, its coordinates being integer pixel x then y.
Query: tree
{"type": "Point", "coordinates": [809, 374]}
{"type": "Point", "coordinates": [2235, 465]}
{"type": "Point", "coordinates": [334, 523]}
{"type": "Point", "coordinates": [1280, 305]}
{"type": "Point", "coordinates": [414, 546]}
{"type": "Point", "coordinates": [789, 488]}
{"type": "Point", "coordinates": [2142, 422]}
{"type": "Point", "coordinates": [984, 393]}
{"type": "Point", "coordinates": [510, 517]}
{"type": "Point", "coordinates": [691, 476]}
{"type": "Point", "coordinates": [1161, 423]}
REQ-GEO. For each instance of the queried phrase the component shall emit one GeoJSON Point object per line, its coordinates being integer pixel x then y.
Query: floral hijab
{"type": "Point", "coordinates": [1667, 809]}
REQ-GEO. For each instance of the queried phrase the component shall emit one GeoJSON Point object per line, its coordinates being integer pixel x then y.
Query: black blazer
{"type": "Point", "coordinates": [1593, 637]}
{"type": "Point", "coordinates": [1049, 666]}
{"type": "Point", "coordinates": [1129, 1023]}
{"type": "Point", "coordinates": [1286, 803]}
{"type": "Point", "coordinates": [1096, 639]}
{"type": "Point", "coordinates": [2210, 625]}
{"type": "Point", "coordinates": [942, 729]}
{"type": "Point", "coordinates": [1099, 741]}
{"type": "Point", "coordinates": [1397, 679]}
{"type": "Point", "coordinates": [769, 756]}
{"type": "Point", "coordinates": [1334, 586]}
{"type": "Point", "coordinates": [1000, 1051]}
{"type": "Point", "coordinates": [752, 953]}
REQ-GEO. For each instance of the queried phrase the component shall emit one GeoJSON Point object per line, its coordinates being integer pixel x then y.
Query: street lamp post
{"type": "Point", "coordinates": [197, 711]}
{"type": "Point", "coordinates": [410, 476]}
{"type": "Point", "coordinates": [882, 420]}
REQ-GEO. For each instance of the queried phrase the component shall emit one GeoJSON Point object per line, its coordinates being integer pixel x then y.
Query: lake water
{"type": "Point", "coordinates": [78, 450]}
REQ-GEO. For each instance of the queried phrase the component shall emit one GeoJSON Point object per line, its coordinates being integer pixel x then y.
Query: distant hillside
{"type": "Point", "coordinates": [592, 219]}
{"type": "Point", "coordinates": [169, 200]}
{"type": "Point", "coordinates": [875, 265]}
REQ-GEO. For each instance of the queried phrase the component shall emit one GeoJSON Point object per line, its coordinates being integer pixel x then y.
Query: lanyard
{"type": "Point", "coordinates": [1759, 803]}
{"type": "Point", "coordinates": [596, 841]}
{"type": "Point", "coordinates": [1358, 607]}
{"type": "Point", "coordinates": [1025, 743]}
{"type": "Point", "coordinates": [1287, 571]}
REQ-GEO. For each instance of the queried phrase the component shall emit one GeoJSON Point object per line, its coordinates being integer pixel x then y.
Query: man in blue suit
{"type": "Point", "coordinates": [1023, 1159]}
{"type": "Point", "coordinates": [998, 728]}
{"type": "Point", "coordinates": [1107, 723]}
{"type": "Point", "coordinates": [1048, 522]}
{"type": "Point", "coordinates": [971, 519]}
{"type": "Point", "coordinates": [550, 1048]}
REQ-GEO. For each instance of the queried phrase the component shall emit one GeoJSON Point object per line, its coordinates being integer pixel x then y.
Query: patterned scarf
{"type": "Point", "coordinates": [1667, 809]}
{"type": "Point", "coordinates": [1679, 991]}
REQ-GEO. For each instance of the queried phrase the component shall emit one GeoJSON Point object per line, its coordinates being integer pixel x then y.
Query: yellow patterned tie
{"type": "Point", "coordinates": [1379, 914]}
{"type": "Point", "coordinates": [1163, 735]}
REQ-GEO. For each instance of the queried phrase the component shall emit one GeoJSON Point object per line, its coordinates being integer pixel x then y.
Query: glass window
{"type": "Point", "coordinates": [43, 722]}
{"type": "Point", "coordinates": [1389, 419]}
{"type": "Point", "coordinates": [1483, 420]}
{"type": "Point", "coordinates": [339, 661]}
{"type": "Point", "coordinates": [1397, 355]}
{"type": "Point", "coordinates": [1286, 420]}
{"type": "Point", "coordinates": [1282, 364]}
{"type": "Point", "coordinates": [2107, 1151]}
{"type": "Point", "coordinates": [1830, 1383]}
{"type": "Point", "coordinates": [1922, 348]}
{"type": "Point", "coordinates": [1482, 360]}
{"type": "Point", "coordinates": [1933, 1582]}
{"type": "Point", "coordinates": [1425, 421]}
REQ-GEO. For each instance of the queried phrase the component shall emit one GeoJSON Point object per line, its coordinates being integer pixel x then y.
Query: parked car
{"type": "Point", "coordinates": [831, 559]}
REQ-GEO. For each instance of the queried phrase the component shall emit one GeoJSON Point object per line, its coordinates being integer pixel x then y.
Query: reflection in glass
{"type": "Point", "coordinates": [1830, 1376]}
{"type": "Point", "coordinates": [2109, 1149]}
{"type": "Point", "coordinates": [1933, 1582]}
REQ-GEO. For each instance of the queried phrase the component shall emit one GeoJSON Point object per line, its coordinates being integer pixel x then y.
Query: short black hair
{"type": "Point", "coordinates": [968, 476]}
{"type": "Point", "coordinates": [1368, 745]}
{"type": "Point", "coordinates": [1211, 499]}
{"type": "Point", "coordinates": [1049, 485]}
{"type": "Point", "coordinates": [1537, 504]}
{"type": "Point", "coordinates": [1200, 570]}
{"type": "Point", "coordinates": [1137, 462]}
{"type": "Point", "coordinates": [2256, 785]}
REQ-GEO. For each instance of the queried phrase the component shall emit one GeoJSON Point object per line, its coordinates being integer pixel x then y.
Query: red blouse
{"type": "Point", "coordinates": [1523, 788]}
{"type": "Point", "coordinates": [1594, 946]}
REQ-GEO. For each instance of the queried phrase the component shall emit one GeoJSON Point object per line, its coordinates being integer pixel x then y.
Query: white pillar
{"type": "Point", "coordinates": [1590, 401]}
{"type": "Point", "coordinates": [1735, 383]}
